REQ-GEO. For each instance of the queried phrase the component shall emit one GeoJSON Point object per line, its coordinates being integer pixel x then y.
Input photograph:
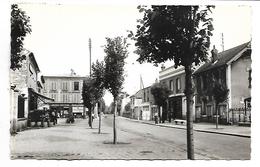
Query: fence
{"type": "Point", "coordinates": [237, 115]}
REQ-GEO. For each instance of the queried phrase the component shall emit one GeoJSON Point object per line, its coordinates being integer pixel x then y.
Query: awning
{"type": "Point", "coordinates": [40, 96]}
{"type": "Point", "coordinates": [247, 99]}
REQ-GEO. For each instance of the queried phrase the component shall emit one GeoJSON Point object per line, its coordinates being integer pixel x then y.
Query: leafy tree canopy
{"type": "Point", "coordinates": [20, 27]}
{"type": "Point", "coordinates": [220, 92]}
{"type": "Point", "coordinates": [98, 75]}
{"type": "Point", "coordinates": [116, 52]}
{"type": "Point", "coordinates": [160, 93]}
{"type": "Point", "coordinates": [128, 107]}
{"type": "Point", "coordinates": [88, 92]}
{"type": "Point", "coordinates": [178, 33]}
{"type": "Point", "coordinates": [93, 87]}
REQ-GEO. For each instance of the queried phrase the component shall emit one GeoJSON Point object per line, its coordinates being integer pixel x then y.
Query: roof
{"type": "Point", "coordinates": [63, 76]}
{"type": "Point", "coordinates": [223, 58]}
{"type": "Point", "coordinates": [30, 54]}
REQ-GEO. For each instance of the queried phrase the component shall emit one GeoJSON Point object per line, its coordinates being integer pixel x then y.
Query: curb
{"type": "Point", "coordinates": [198, 130]}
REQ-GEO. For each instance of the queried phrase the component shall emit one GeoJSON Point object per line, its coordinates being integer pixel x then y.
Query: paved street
{"type": "Point", "coordinates": [136, 141]}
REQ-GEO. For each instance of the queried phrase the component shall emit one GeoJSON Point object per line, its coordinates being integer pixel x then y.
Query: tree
{"type": "Point", "coordinates": [220, 94]}
{"type": "Point", "coordinates": [128, 107]}
{"type": "Point", "coordinates": [20, 27]}
{"type": "Point", "coordinates": [116, 52]}
{"type": "Point", "coordinates": [88, 95]}
{"type": "Point", "coordinates": [178, 33]}
{"type": "Point", "coordinates": [98, 74]}
{"type": "Point", "coordinates": [160, 93]}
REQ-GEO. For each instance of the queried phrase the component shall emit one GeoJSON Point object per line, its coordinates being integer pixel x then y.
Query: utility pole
{"type": "Point", "coordinates": [222, 41]}
{"type": "Point", "coordinates": [90, 112]}
{"type": "Point", "coordinates": [89, 44]}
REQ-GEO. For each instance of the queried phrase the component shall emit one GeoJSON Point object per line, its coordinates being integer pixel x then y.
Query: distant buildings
{"type": "Point", "coordinates": [66, 91]}
{"type": "Point", "coordinates": [135, 102]}
{"type": "Point", "coordinates": [174, 79]}
{"type": "Point", "coordinates": [142, 105]}
{"type": "Point", "coordinates": [124, 100]}
{"type": "Point", "coordinates": [230, 68]}
{"type": "Point", "coordinates": [26, 92]}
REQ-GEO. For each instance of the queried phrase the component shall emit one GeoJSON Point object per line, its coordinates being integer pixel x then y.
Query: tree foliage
{"type": "Point", "coordinates": [116, 52]}
{"type": "Point", "coordinates": [102, 105]}
{"type": "Point", "coordinates": [178, 33]}
{"type": "Point", "coordinates": [219, 92]}
{"type": "Point", "coordinates": [20, 27]}
{"type": "Point", "coordinates": [160, 93]}
{"type": "Point", "coordinates": [98, 75]}
{"type": "Point", "coordinates": [128, 107]}
{"type": "Point", "coordinates": [89, 93]}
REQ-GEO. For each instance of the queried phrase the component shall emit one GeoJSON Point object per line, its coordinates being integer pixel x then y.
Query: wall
{"type": "Point", "coordinates": [31, 75]}
{"type": "Point", "coordinates": [239, 81]}
{"type": "Point", "coordinates": [169, 77]}
{"type": "Point", "coordinates": [22, 79]}
{"type": "Point", "coordinates": [167, 80]}
{"type": "Point", "coordinates": [63, 96]}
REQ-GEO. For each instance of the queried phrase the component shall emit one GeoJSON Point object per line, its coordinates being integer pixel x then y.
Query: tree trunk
{"type": "Point", "coordinates": [114, 123]}
{"type": "Point", "coordinates": [99, 124]}
{"type": "Point", "coordinates": [216, 115]}
{"type": "Point", "coordinates": [189, 114]}
{"type": "Point", "coordinates": [90, 117]}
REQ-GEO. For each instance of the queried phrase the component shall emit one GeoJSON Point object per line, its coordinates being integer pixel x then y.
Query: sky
{"type": "Point", "coordinates": [60, 35]}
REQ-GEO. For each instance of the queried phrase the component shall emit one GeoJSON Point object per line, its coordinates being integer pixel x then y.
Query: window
{"type": "Point", "coordinates": [76, 85]}
{"type": "Point", "coordinates": [30, 69]}
{"type": "Point", "coordinates": [65, 98]}
{"type": "Point", "coordinates": [64, 86]}
{"type": "Point", "coordinates": [53, 86]}
{"type": "Point", "coordinates": [53, 96]}
{"type": "Point", "coordinates": [20, 107]}
{"type": "Point", "coordinates": [209, 110]}
{"type": "Point", "coordinates": [144, 96]}
{"type": "Point", "coordinates": [75, 98]}
{"type": "Point", "coordinates": [148, 95]}
{"type": "Point", "coordinates": [249, 78]}
{"type": "Point", "coordinates": [204, 81]}
{"type": "Point", "coordinates": [171, 85]}
{"type": "Point", "coordinates": [178, 85]}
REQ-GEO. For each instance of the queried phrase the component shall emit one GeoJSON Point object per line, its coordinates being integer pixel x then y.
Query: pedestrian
{"type": "Point", "coordinates": [156, 118]}
{"type": "Point", "coordinates": [54, 119]}
{"type": "Point", "coordinates": [92, 116]}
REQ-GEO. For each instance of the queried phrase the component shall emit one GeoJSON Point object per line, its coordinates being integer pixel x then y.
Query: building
{"type": "Point", "coordinates": [174, 79]}
{"type": "Point", "coordinates": [232, 69]}
{"type": "Point", "coordinates": [26, 92]}
{"type": "Point", "coordinates": [66, 91]}
{"type": "Point", "coordinates": [135, 102]}
{"type": "Point", "coordinates": [142, 104]}
{"type": "Point", "coordinates": [148, 107]}
{"type": "Point", "coordinates": [124, 99]}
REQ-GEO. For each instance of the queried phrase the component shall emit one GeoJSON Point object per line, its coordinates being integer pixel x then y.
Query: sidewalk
{"type": "Point", "coordinates": [233, 130]}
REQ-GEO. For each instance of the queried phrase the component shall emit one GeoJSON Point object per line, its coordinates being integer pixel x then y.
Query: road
{"type": "Point", "coordinates": [135, 141]}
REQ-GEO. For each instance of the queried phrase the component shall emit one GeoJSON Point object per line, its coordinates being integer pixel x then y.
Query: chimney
{"type": "Point", "coordinates": [214, 53]}
{"type": "Point", "coordinates": [162, 67]}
